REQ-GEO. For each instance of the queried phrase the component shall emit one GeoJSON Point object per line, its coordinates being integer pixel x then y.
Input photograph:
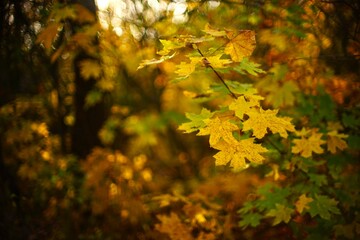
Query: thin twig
{"type": "Point", "coordinates": [219, 76]}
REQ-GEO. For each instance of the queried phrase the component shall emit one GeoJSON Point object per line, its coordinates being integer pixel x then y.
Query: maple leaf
{"type": "Point", "coordinates": [305, 146]}
{"type": "Point", "coordinates": [185, 69]}
{"type": "Point", "coordinates": [48, 35]}
{"type": "Point", "coordinates": [251, 219]}
{"type": "Point", "coordinates": [89, 69]}
{"type": "Point", "coordinates": [168, 46]}
{"type": "Point", "coordinates": [262, 120]}
{"type": "Point", "coordinates": [241, 44]}
{"type": "Point", "coordinates": [213, 32]}
{"type": "Point", "coordinates": [302, 203]}
{"type": "Point", "coordinates": [216, 62]}
{"type": "Point", "coordinates": [237, 152]}
{"type": "Point", "coordinates": [303, 132]}
{"type": "Point", "coordinates": [281, 214]}
{"type": "Point", "coordinates": [241, 106]}
{"type": "Point", "coordinates": [197, 121]}
{"type": "Point", "coordinates": [323, 206]}
{"type": "Point", "coordinates": [218, 130]}
{"type": "Point", "coordinates": [335, 141]}
{"type": "Point", "coordinates": [249, 67]}
{"type": "Point", "coordinates": [282, 95]}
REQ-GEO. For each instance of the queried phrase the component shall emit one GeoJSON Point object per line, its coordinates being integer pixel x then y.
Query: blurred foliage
{"type": "Point", "coordinates": [93, 112]}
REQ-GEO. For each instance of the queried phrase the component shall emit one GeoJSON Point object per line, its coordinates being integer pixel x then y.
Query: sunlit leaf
{"type": "Point", "coordinates": [241, 44]}
{"type": "Point", "coordinates": [263, 120]}
{"type": "Point", "coordinates": [237, 153]}
{"type": "Point", "coordinates": [218, 130]}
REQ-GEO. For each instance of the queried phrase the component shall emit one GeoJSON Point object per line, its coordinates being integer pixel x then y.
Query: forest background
{"type": "Point", "coordinates": [179, 119]}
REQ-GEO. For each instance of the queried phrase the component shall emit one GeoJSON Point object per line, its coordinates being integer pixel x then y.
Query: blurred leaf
{"type": "Point", "coordinates": [197, 121]}
{"type": "Point", "coordinates": [323, 206]}
{"type": "Point", "coordinates": [281, 214]}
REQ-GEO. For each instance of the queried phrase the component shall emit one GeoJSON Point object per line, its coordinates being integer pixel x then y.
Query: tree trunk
{"type": "Point", "coordinates": [88, 121]}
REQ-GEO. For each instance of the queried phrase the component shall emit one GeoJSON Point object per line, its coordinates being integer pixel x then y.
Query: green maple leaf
{"type": "Point", "coordinates": [323, 206]}
{"type": "Point", "coordinates": [281, 214]}
{"type": "Point", "coordinates": [249, 67]}
{"type": "Point", "coordinates": [271, 195]}
{"type": "Point", "coordinates": [251, 219]}
{"type": "Point", "coordinates": [197, 121]}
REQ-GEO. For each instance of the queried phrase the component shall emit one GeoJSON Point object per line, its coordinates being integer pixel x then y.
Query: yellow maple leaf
{"type": "Point", "coordinates": [184, 69]}
{"type": "Point", "coordinates": [262, 120]}
{"type": "Point", "coordinates": [241, 106]}
{"type": "Point", "coordinates": [237, 152]}
{"type": "Point", "coordinates": [169, 46]}
{"type": "Point", "coordinates": [302, 203]}
{"type": "Point", "coordinates": [305, 146]}
{"type": "Point", "coordinates": [303, 132]}
{"type": "Point", "coordinates": [218, 130]}
{"type": "Point", "coordinates": [334, 126]}
{"type": "Point", "coordinates": [335, 140]}
{"type": "Point", "coordinates": [213, 32]}
{"type": "Point", "coordinates": [216, 62]}
{"type": "Point", "coordinates": [241, 44]}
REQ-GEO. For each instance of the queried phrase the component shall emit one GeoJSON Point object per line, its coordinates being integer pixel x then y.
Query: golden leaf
{"type": "Point", "coordinates": [185, 69]}
{"type": "Point", "coordinates": [262, 120]}
{"type": "Point", "coordinates": [237, 152]}
{"type": "Point", "coordinates": [241, 44]}
{"type": "Point", "coordinates": [213, 32]}
{"type": "Point", "coordinates": [216, 62]}
{"type": "Point", "coordinates": [217, 130]}
{"type": "Point", "coordinates": [241, 106]}
{"type": "Point", "coordinates": [305, 146]}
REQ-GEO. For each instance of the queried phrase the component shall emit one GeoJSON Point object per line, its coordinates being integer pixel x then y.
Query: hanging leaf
{"type": "Point", "coordinates": [238, 152]}
{"type": "Point", "coordinates": [262, 120]}
{"type": "Point", "coordinates": [241, 44]}
{"type": "Point", "coordinates": [197, 121]}
{"type": "Point", "coordinates": [218, 130]}
{"type": "Point", "coordinates": [306, 146]}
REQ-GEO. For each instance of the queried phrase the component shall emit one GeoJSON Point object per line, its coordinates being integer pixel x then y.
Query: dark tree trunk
{"type": "Point", "coordinates": [88, 121]}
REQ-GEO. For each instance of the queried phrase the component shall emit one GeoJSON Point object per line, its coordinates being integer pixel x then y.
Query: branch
{"type": "Point", "coordinates": [219, 76]}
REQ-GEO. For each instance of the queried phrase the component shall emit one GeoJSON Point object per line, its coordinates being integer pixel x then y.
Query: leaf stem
{"type": "Point", "coordinates": [219, 76]}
